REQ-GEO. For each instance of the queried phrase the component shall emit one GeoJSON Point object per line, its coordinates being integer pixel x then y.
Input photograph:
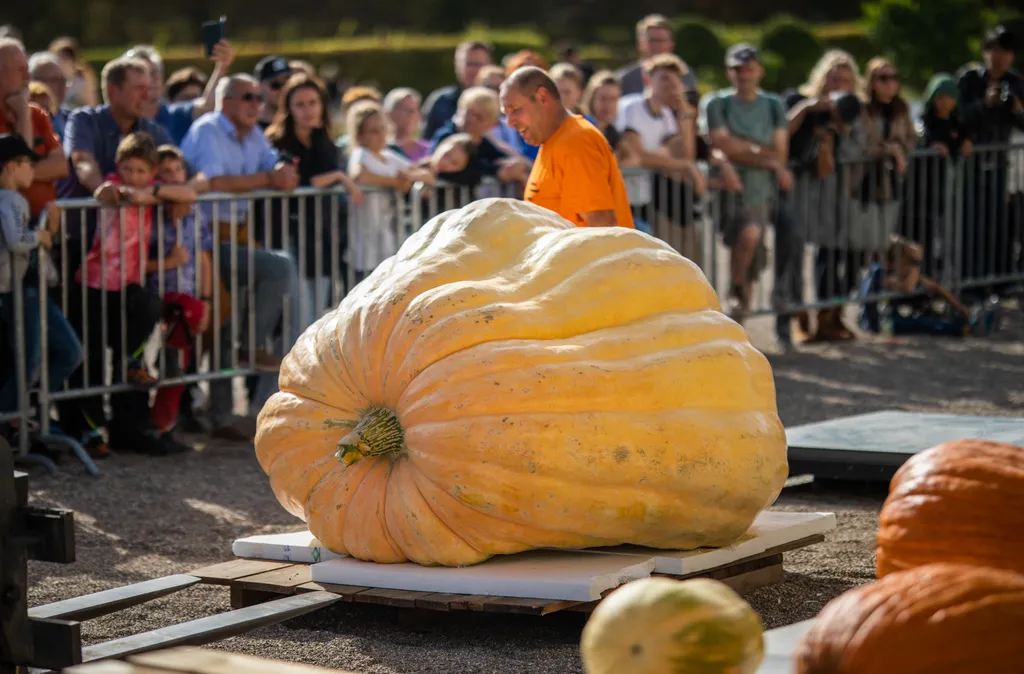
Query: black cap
{"type": "Point", "coordinates": [999, 38]}
{"type": "Point", "coordinates": [13, 146]}
{"type": "Point", "coordinates": [272, 67]}
{"type": "Point", "coordinates": [739, 54]}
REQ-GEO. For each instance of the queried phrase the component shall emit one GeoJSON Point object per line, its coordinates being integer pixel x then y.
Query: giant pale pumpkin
{"type": "Point", "coordinates": [508, 381]}
{"type": "Point", "coordinates": [957, 502]}
{"type": "Point", "coordinates": [948, 618]}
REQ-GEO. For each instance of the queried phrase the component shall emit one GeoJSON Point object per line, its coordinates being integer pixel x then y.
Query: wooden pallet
{"type": "Point", "coordinates": [190, 660]}
{"type": "Point", "coordinates": [255, 581]}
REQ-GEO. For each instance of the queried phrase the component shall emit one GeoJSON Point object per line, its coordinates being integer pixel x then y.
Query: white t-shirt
{"type": "Point", "coordinates": [635, 115]}
{"type": "Point", "coordinates": [374, 225]}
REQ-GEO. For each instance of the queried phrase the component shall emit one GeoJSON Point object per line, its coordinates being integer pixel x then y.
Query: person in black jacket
{"type": "Point", "coordinates": [301, 130]}
{"type": "Point", "coordinates": [991, 107]}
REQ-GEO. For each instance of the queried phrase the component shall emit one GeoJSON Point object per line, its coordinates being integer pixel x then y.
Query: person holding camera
{"type": "Point", "coordinates": [992, 106]}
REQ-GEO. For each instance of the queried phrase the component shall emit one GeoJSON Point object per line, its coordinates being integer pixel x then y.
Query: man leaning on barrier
{"type": "Point", "coordinates": [229, 149]}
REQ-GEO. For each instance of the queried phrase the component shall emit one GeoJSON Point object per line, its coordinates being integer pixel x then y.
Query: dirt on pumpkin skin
{"type": "Point", "coordinates": [145, 518]}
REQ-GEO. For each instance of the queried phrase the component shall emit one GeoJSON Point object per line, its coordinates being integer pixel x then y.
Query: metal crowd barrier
{"type": "Point", "coordinates": [819, 237]}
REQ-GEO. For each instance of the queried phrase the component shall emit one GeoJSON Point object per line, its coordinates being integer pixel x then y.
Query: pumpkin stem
{"type": "Point", "coordinates": [377, 433]}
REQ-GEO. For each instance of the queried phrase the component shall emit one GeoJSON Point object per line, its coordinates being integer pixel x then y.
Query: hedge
{"type": "Point", "coordinates": [425, 61]}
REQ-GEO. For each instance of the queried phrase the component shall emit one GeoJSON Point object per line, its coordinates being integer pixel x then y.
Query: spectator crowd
{"type": "Point", "coordinates": [890, 200]}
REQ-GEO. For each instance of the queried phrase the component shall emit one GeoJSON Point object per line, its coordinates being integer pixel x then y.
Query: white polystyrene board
{"type": "Point", "coordinates": [780, 648]}
{"type": "Point", "coordinates": [537, 574]}
{"type": "Point", "coordinates": [770, 529]}
{"type": "Point", "coordinates": [297, 546]}
{"type": "Point", "coordinates": [784, 640]}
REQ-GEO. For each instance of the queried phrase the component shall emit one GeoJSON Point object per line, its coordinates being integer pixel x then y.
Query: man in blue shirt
{"type": "Point", "coordinates": [92, 134]}
{"type": "Point", "coordinates": [178, 117]}
{"type": "Point", "coordinates": [230, 150]}
{"type": "Point", "coordinates": [442, 103]}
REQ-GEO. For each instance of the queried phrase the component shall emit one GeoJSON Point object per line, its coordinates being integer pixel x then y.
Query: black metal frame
{"type": "Point", "coordinates": [845, 464]}
{"type": "Point", "coordinates": [39, 534]}
{"type": "Point", "coordinates": [49, 636]}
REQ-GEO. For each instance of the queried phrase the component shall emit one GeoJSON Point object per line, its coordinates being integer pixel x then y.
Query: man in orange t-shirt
{"type": "Point", "coordinates": [575, 173]}
{"type": "Point", "coordinates": [31, 122]}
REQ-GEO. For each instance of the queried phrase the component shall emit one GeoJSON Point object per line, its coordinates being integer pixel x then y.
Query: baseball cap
{"type": "Point", "coordinates": [272, 67]}
{"type": "Point", "coordinates": [739, 54]}
{"type": "Point", "coordinates": [1000, 38]}
{"type": "Point", "coordinates": [13, 146]}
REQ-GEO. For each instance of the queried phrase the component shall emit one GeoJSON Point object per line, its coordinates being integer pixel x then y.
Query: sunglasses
{"type": "Point", "coordinates": [888, 77]}
{"type": "Point", "coordinates": [278, 84]}
{"type": "Point", "coordinates": [249, 97]}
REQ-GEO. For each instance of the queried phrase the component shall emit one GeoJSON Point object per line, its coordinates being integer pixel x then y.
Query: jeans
{"type": "Point", "coordinates": [143, 310]}
{"type": "Point", "coordinates": [64, 351]}
{"type": "Point", "coordinates": [789, 279]}
{"type": "Point", "coordinates": [275, 278]}
{"type": "Point", "coordinates": [312, 306]}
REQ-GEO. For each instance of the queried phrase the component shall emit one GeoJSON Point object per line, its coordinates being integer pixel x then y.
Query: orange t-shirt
{"type": "Point", "coordinates": [575, 173]}
{"type": "Point", "coordinates": [44, 141]}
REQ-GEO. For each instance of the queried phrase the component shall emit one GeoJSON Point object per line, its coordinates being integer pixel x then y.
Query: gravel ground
{"type": "Point", "coordinates": [147, 518]}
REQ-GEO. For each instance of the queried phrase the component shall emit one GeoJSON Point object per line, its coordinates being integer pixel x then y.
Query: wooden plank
{"type": "Point", "coordinates": [524, 606]}
{"type": "Point", "coordinates": [51, 534]}
{"type": "Point", "coordinates": [346, 592]}
{"type": "Point", "coordinates": [212, 628]}
{"type": "Point", "coordinates": [57, 643]}
{"type": "Point", "coordinates": [281, 581]}
{"type": "Point", "coordinates": [745, 583]}
{"type": "Point", "coordinates": [438, 601]}
{"type": "Point", "coordinates": [202, 661]}
{"type": "Point", "coordinates": [386, 597]}
{"type": "Point", "coordinates": [112, 667]}
{"type": "Point", "coordinates": [226, 572]}
{"type": "Point", "coordinates": [109, 601]}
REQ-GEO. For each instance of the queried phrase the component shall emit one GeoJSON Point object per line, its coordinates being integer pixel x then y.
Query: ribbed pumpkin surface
{"type": "Point", "coordinates": [665, 626]}
{"type": "Point", "coordinates": [957, 502]}
{"type": "Point", "coordinates": [937, 618]}
{"type": "Point", "coordinates": [534, 384]}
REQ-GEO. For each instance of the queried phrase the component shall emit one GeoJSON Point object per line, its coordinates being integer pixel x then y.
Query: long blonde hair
{"type": "Point", "coordinates": [830, 60]}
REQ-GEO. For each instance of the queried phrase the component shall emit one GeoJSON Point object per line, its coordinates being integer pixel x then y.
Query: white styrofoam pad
{"type": "Point", "coordinates": [770, 529]}
{"type": "Point", "coordinates": [298, 546]}
{"type": "Point", "coordinates": [780, 647]}
{"type": "Point", "coordinates": [538, 574]}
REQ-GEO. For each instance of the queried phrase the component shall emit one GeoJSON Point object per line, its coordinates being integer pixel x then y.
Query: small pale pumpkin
{"type": "Point", "coordinates": [949, 618]}
{"type": "Point", "coordinates": [508, 381]}
{"type": "Point", "coordinates": [957, 502]}
{"type": "Point", "coordinates": [666, 626]}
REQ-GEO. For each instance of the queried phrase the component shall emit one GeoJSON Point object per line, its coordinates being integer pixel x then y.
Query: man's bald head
{"type": "Point", "coordinates": [13, 67]}
{"type": "Point", "coordinates": [528, 80]}
{"type": "Point", "coordinates": [532, 104]}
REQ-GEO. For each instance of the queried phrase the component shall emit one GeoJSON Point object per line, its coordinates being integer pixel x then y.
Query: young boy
{"type": "Point", "coordinates": [185, 316]}
{"type": "Point", "coordinates": [132, 190]}
{"type": "Point", "coordinates": [915, 312]}
{"type": "Point", "coordinates": [17, 242]}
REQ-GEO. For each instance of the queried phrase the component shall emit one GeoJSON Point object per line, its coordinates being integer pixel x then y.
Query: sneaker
{"type": "Point", "coordinates": [169, 445]}
{"type": "Point", "coordinates": [139, 376]}
{"type": "Point", "coordinates": [95, 446]}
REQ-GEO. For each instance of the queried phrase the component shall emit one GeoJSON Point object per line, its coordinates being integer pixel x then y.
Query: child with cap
{"type": "Point", "coordinates": [17, 243]}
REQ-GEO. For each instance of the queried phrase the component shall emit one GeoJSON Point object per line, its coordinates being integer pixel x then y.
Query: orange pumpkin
{"type": "Point", "coordinates": [948, 618]}
{"type": "Point", "coordinates": [957, 502]}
